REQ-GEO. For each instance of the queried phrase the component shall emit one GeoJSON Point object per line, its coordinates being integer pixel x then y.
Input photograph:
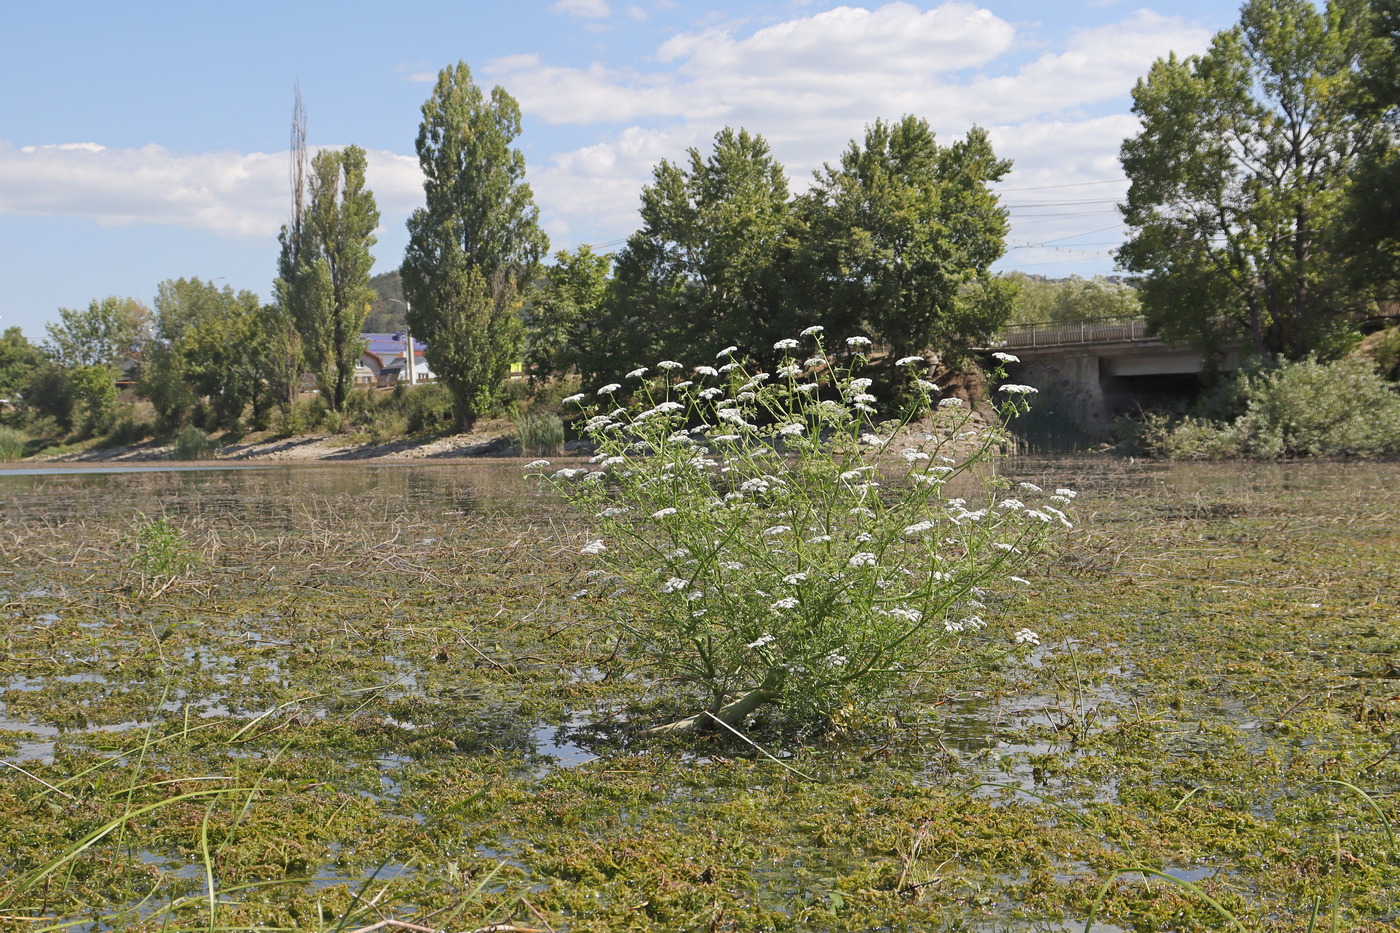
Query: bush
{"type": "Point", "coordinates": [540, 433]}
{"type": "Point", "coordinates": [132, 426]}
{"type": "Point", "coordinates": [1314, 409]}
{"type": "Point", "coordinates": [161, 553]}
{"type": "Point", "coordinates": [774, 547]}
{"type": "Point", "coordinates": [304, 417]}
{"type": "Point", "coordinates": [192, 444]}
{"type": "Point", "coordinates": [1302, 409]}
{"type": "Point", "coordinates": [1383, 349]}
{"type": "Point", "coordinates": [428, 408]}
{"type": "Point", "coordinates": [12, 444]}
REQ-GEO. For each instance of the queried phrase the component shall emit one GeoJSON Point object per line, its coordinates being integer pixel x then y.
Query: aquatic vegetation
{"type": "Point", "coordinates": [763, 539]}
{"type": "Point", "coordinates": [540, 433]}
{"type": "Point", "coordinates": [384, 694]}
{"type": "Point", "coordinates": [161, 555]}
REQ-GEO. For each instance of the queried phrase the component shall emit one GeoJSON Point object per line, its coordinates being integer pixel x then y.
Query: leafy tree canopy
{"type": "Point", "coordinates": [19, 359]}
{"type": "Point", "coordinates": [562, 329]}
{"type": "Point", "coordinates": [894, 242]}
{"type": "Point", "coordinates": [107, 332]}
{"type": "Point", "coordinates": [206, 348]}
{"type": "Point", "coordinates": [475, 245]}
{"type": "Point", "coordinates": [1243, 159]}
{"type": "Point", "coordinates": [1040, 300]}
{"type": "Point", "coordinates": [1369, 230]}
{"type": "Point", "coordinates": [325, 269]}
{"type": "Point", "coordinates": [706, 269]}
{"type": "Point", "coordinates": [899, 238]}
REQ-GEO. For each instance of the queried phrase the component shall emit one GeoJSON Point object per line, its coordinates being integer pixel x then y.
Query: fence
{"type": "Point", "coordinates": [1063, 333]}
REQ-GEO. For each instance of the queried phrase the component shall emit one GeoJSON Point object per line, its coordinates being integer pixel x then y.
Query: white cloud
{"type": "Point", "coordinates": [595, 94]}
{"type": "Point", "coordinates": [897, 38]}
{"type": "Point", "coordinates": [811, 83]}
{"type": "Point", "coordinates": [583, 9]}
{"type": "Point", "coordinates": [235, 194]}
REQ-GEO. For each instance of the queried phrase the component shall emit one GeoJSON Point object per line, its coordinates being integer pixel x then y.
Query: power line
{"type": "Point", "coordinates": [1070, 203]}
{"type": "Point", "coordinates": [1073, 184]}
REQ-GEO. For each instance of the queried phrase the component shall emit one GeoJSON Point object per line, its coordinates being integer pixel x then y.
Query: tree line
{"type": "Point", "coordinates": [1262, 207]}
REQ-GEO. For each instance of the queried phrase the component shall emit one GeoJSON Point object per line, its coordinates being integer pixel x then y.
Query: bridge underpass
{"type": "Point", "coordinates": [1094, 371]}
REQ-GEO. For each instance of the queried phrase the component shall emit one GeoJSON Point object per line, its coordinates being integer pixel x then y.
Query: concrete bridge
{"type": "Point", "coordinates": [1094, 371]}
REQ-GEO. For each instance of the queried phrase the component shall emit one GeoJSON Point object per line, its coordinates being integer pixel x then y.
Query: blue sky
{"type": "Point", "coordinates": [148, 140]}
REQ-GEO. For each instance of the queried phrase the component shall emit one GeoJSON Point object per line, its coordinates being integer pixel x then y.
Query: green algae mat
{"type": "Point", "coordinates": [382, 696]}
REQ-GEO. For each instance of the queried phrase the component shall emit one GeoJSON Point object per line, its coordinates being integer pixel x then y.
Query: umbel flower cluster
{"type": "Point", "coordinates": [766, 541]}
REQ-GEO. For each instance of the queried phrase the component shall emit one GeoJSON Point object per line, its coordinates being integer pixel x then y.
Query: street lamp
{"type": "Point", "coordinates": [407, 338]}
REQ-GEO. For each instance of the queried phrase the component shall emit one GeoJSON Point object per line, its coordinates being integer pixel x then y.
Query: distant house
{"type": "Point", "coordinates": [385, 360]}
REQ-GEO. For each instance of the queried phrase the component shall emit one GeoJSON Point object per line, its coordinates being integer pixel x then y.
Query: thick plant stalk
{"type": "Point", "coordinates": [732, 713]}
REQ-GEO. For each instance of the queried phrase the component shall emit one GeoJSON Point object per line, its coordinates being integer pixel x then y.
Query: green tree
{"type": "Point", "coordinates": [386, 314]}
{"type": "Point", "coordinates": [277, 351]}
{"type": "Point", "coordinates": [707, 267]}
{"type": "Point", "coordinates": [897, 241]}
{"type": "Point", "coordinates": [1369, 229]}
{"type": "Point", "coordinates": [1040, 300]}
{"type": "Point", "coordinates": [205, 354]}
{"type": "Point", "coordinates": [325, 264]}
{"type": "Point", "coordinates": [108, 332]}
{"type": "Point", "coordinates": [1243, 158]}
{"type": "Point", "coordinates": [562, 326]}
{"type": "Point", "coordinates": [476, 244]}
{"type": "Point", "coordinates": [93, 345]}
{"type": "Point", "coordinates": [50, 393]}
{"type": "Point", "coordinates": [19, 360]}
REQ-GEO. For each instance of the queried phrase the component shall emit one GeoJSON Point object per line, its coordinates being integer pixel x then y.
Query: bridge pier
{"type": "Point", "coordinates": [1073, 382]}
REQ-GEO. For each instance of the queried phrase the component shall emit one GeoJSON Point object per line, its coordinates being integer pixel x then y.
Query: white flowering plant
{"type": "Point", "coordinates": [769, 542]}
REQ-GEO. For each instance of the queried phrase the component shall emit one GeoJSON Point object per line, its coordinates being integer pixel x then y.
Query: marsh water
{"type": "Point", "coordinates": [322, 685]}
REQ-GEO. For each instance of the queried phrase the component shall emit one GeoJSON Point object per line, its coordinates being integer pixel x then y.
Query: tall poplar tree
{"type": "Point", "coordinates": [475, 245]}
{"type": "Point", "coordinates": [326, 283]}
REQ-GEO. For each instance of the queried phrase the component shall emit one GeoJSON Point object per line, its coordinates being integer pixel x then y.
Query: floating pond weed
{"type": "Point", "coordinates": [771, 542]}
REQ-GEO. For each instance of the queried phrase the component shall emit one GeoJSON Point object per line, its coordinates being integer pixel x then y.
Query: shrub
{"type": "Point", "coordinates": [12, 444]}
{"type": "Point", "coordinates": [332, 422]}
{"type": "Point", "coordinates": [1299, 409]}
{"type": "Point", "coordinates": [192, 444]}
{"type": "Point", "coordinates": [132, 426]}
{"type": "Point", "coordinates": [303, 417]}
{"type": "Point", "coordinates": [772, 546]}
{"type": "Point", "coordinates": [428, 408]}
{"type": "Point", "coordinates": [1383, 349]}
{"type": "Point", "coordinates": [1314, 409]}
{"type": "Point", "coordinates": [540, 433]}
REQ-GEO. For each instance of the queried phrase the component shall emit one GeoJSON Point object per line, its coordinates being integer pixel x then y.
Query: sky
{"type": "Point", "coordinates": [145, 141]}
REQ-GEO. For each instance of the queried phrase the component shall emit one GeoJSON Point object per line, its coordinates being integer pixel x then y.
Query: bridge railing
{"type": "Point", "coordinates": [1062, 333]}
